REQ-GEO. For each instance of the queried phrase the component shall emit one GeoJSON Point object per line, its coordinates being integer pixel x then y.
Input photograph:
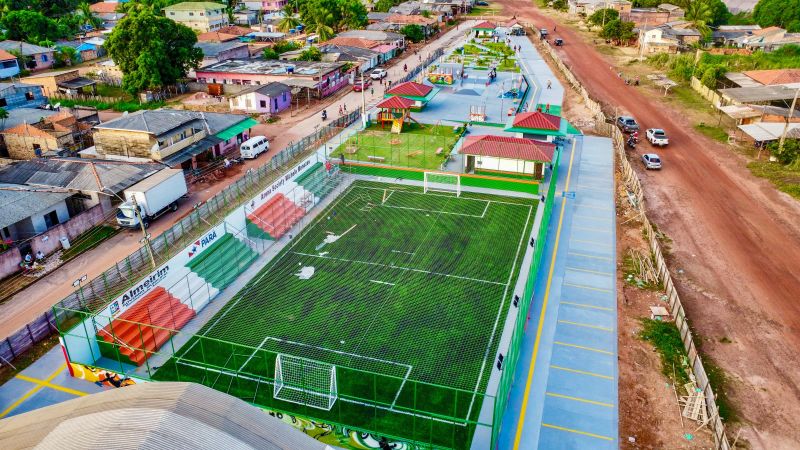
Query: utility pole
{"type": "Point", "coordinates": [363, 102]}
{"type": "Point", "coordinates": [146, 238]}
{"type": "Point", "coordinates": [788, 119]}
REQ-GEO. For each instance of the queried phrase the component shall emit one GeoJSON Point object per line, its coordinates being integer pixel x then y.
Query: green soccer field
{"type": "Point", "coordinates": [404, 292]}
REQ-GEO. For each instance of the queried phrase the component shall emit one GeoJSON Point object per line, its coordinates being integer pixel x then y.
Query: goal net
{"type": "Point", "coordinates": [305, 382]}
{"type": "Point", "coordinates": [442, 182]}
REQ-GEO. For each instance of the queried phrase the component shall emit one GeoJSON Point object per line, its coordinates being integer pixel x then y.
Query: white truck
{"type": "Point", "coordinates": [152, 196]}
{"type": "Point", "coordinates": [657, 136]}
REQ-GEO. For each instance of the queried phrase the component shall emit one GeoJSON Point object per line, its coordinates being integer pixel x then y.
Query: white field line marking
{"type": "Point", "coordinates": [400, 251]}
{"type": "Point", "coordinates": [401, 268]}
{"type": "Point", "coordinates": [400, 389]}
{"type": "Point", "coordinates": [466, 199]}
{"type": "Point", "coordinates": [483, 214]}
{"type": "Point", "coordinates": [499, 310]}
{"type": "Point", "coordinates": [434, 211]}
{"type": "Point", "coordinates": [391, 191]}
{"type": "Point", "coordinates": [253, 354]}
{"type": "Point", "coordinates": [272, 265]}
{"type": "Point", "coordinates": [346, 400]}
{"type": "Point", "coordinates": [382, 282]}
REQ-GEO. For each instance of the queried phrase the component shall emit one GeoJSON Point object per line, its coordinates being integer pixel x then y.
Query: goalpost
{"type": "Point", "coordinates": [442, 182]}
{"type": "Point", "coordinates": [305, 382]}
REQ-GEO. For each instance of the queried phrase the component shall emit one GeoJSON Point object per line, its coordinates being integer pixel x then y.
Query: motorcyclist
{"type": "Point", "coordinates": [324, 115]}
{"type": "Point", "coordinates": [405, 67]}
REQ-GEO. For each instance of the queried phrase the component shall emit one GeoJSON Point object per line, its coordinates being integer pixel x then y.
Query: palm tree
{"type": "Point", "coordinates": [323, 31]}
{"type": "Point", "coordinates": [87, 18]}
{"type": "Point", "coordinates": [288, 21]}
{"type": "Point", "coordinates": [3, 117]}
{"type": "Point", "coordinates": [699, 14]}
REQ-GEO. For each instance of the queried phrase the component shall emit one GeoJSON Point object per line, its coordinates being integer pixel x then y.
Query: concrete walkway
{"type": "Point", "coordinates": [568, 398]}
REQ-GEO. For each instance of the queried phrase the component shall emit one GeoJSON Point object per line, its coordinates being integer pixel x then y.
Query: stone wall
{"type": "Point", "coordinates": [21, 147]}
{"type": "Point", "coordinates": [124, 143]}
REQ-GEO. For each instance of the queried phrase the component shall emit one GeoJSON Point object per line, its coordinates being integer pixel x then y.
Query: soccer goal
{"type": "Point", "coordinates": [442, 182]}
{"type": "Point", "coordinates": [305, 382]}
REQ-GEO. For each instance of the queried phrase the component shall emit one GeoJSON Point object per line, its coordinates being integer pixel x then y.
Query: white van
{"type": "Point", "coordinates": [253, 147]}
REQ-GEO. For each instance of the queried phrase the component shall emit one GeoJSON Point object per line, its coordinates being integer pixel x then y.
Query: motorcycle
{"type": "Point", "coordinates": [631, 142]}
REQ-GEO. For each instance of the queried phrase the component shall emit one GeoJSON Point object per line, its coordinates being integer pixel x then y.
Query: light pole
{"type": "Point", "coordinates": [79, 284]}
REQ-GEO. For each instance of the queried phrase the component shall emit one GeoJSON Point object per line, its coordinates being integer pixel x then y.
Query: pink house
{"type": "Point", "coordinates": [270, 98]}
{"type": "Point", "coordinates": [317, 79]}
{"type": "Point", "coordinates": [265, 5]}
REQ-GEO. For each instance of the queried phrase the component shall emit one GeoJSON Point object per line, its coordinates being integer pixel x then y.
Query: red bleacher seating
{"type": "Point", "coordinates": [277, 215]}
{"type": "Point", "coordinates": [147, 325]}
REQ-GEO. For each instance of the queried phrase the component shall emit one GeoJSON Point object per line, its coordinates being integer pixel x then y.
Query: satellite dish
{"type": "Point", "coordinates": [295, 91]}
{"type": "Point", "coordinates": [57, 105]}
{"type": "Point", "coordinates": [125, 113]}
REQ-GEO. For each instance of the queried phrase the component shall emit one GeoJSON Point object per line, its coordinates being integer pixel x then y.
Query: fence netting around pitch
{"type": "Point", "coordinates": [396, 297]}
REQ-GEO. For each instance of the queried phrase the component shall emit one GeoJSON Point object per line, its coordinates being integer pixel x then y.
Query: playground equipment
{"type": "Point", "coordinates": [511, 93]}
{"type": "Point", "coordinates": [477, 113]}
{"type": "Point", "coordinates": [441, 75]}
{"type": "Point", "coordinates": [395, 111]}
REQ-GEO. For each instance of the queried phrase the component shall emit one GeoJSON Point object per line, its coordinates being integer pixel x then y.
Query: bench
{"type": "Point", "coordinates": [376, 158]}
{"type": "Point", "coordinates": [439, 151]}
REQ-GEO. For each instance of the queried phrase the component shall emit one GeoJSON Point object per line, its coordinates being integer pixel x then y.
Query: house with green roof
{"type": "Point", "coordinates": [199, 16]}
{"type": "Point", "coordinates": [537, 125]}
{"type": "Point", "coordinates": [419, 93]}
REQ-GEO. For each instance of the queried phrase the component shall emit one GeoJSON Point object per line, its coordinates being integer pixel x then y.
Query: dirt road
{"type": "Point", "coordinates": [736, 243]}
{"type": "Point", "coordinates": [31, 302]}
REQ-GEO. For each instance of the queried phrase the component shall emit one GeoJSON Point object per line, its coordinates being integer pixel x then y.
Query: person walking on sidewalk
{"type": "Point", "coordinates": [549, 84]}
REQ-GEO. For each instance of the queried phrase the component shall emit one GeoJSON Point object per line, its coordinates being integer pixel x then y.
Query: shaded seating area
{"type": "Point", "coordinates": [142, 329]}
{"type": "Point", "coordinates": [223, 261]}
{"type": "Point", "coordinates": [316, 180]}
{"type": "Point", "coordinates": [274, 218]}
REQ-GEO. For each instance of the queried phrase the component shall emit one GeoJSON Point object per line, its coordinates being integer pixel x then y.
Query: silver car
{"type": "Point", "coordinates": [651, 161]}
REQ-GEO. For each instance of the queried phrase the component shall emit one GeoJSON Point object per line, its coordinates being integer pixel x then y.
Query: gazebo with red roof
{"type": "Point", "coordinates": [484, 29]}
{"type": "Point", "coordinates": [537, 125]}
{"type": "Point", "coordinates": [394, 110]}
{"type": "Point", "coordinates": [418, 93]}
{"type": "Point", "coordinates": [506, 156]}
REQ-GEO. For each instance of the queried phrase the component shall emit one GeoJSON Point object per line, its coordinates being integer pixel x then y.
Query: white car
{"type": "Point", "coordinates": [378, 74]}
{"type": "Point", "coordinates": [657, 136]}
{"type": "Point", "coordinates": [651, 161]}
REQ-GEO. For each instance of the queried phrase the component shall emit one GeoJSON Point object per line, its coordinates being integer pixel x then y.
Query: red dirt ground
{"type": "Point", "coordinates": [736, 239]}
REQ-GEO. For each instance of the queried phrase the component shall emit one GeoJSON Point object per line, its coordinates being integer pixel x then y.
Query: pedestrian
{"type": "Point", "coordinates": [555, 27]}
{"type": "Point", "coordinates": [341, 157]}
{"type": "Point", "coordinates": [371, 91]}
{"type": "Point", "coordinates": [547, 108]}
{"type": "Point", "coordinates": [549, 84]}
{"type": "Point", "coordinates": [345, 108]}
{"type": "Point", "coordinates": [340, 110]}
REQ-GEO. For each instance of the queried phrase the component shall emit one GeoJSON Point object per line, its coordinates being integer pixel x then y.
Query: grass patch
{"type": "Point", "coordinates": [107, 90]}
{"type": "Point", "coordinates": [90, 239]}
{"type": "Point", "coordinates": [416, 146]}
{"type": "Point", "coordinates": [784, 178]}
{"type": "Point", "coordinates": [666, 339]}
{"type": "Point", "coordinates": [719, 382]}
{"type": "Point", "coordinates": [121, 106]}
{"type": "Point", "coordinates": [716, 133]}
{"type": "Point", "coordinates": [484, 10]}
{"type": "Point", "coordinates": [689, 98]}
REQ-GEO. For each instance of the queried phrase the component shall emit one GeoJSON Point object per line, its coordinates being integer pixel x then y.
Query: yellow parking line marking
{"type": "Point", "coordinates": [586, 325]}
{"type": "Point", "coordinates": [591, 288]}
{"type": "Point", "coordinates": [540, 326]}
{"type": "Point", "coordinates": [597, 272]}
{"type": "Point", "coordinates": [583, 241]}
{"type": "Point", "coordinates": [582, 347]}
{"type": "Point", "coordinates": [584, 255]}
{"type": "Point", "coordinates": [579, 399]}
{"type": "Point", "coordinates": [570, 430]}
{"type": "Point", "coordinates": [584, 305]}
{"type": "Point", "coordinates": [34, 390]}
{"type": "Point", "coordinates": [582, 372]}
{"type": "Point", "coordinates": [52, 386]}
{"type": "Point", "coordinates": [594, 230]}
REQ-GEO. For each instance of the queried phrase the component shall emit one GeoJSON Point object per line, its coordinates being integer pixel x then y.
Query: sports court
{"type": "Point", "coordinates": [384, 313]}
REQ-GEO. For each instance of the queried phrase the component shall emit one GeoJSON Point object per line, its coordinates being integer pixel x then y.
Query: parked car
{"type": "Point", "coordinates": [378, 74]}
{"type": "Point", "coordinates": [657, 136]}
{"type": "Point", "coordinates": [358, 87]}
{"type": "Point", "coordinates": [651, 161]}
{"type": "Point", "coordinates": [543, 33]}
{"type": "Point", "coordinates": [253, 147]}
{"type": "Point", "coordinates": [627, 124]}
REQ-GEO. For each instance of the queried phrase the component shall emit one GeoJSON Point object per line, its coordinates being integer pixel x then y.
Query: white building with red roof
{"type": "Point", "coordinates": [506, 156]}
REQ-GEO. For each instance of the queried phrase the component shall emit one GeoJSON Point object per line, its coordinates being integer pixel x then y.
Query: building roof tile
{"type": "Point", "coordinates": [508, 147]}
{"type": "Point", "coordinates": [395, 103]}
{"type": "Point", "coordinates": [537, 120]}
{"type": "Point", "coordinates": [410, 88]}
{"type": "Point", "coordinates": [775, 76]}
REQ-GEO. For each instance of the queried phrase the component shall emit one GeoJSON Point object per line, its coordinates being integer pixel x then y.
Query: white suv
{"type": "Point", "coordinates": [378, 74]}
{"type": "Point", "coordinates": [651, 161]}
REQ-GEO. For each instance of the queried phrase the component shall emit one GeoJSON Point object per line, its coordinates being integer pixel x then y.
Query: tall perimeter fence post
{"type": "Point", "coordinates": [603, 125]}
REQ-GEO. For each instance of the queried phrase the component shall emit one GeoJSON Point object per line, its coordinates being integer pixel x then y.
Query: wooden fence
{"type": "Point", "coordinates": [634, 187]}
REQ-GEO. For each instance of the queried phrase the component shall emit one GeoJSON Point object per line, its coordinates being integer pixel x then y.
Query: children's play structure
{"type": "Point", "coordinates": [395, 111]}
{"type": "Point", "coordinates": [441, 75]}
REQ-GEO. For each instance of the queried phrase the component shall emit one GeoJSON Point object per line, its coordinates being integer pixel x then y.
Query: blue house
{"type": "Point", "coordinates": [20, 95]}
{"type": "Point", "coordinates": [8, 65]}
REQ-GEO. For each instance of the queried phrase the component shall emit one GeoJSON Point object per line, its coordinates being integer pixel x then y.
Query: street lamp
{"type": "Point", "coordinates": [78, 284]}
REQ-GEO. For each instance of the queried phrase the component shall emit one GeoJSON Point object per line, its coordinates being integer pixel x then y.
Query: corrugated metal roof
{"type": "Point", "coordinates": [77, 174]}
{"type": "Point", "coordinates": [18, 205]}
{"type": "Point", "coordinates": [153, 416]}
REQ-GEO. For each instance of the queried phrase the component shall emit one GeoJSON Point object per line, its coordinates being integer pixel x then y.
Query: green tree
{"type": "Point", "coordinates": [3, 117]}
{"type": "Point", "coordinates": [310, 54]}
{"type": "Point", "coordinates": [324, 32]}
{"type": "Point", "coordinates": [618, 31]}
{"type": "Point", "coordinates": [413, 33]}
{"type": "Point", "coordinates": [560, 5]}
{"type": "Point", "coordinates": [780, 13]}
{"type": "Point", "coordinates": [285, 46]}
{"type": "Point", "coordinates": [384, 5]}
{"type": "Point", "coordinates": [65, 56]}
{"type": "Point", "coordinates": [30, 26]}
{"type": "Point", "coordinates": [700, 15]}
{"type": "Point", "coordinates": [152, 51]}
{"type": "Point", "coordinates": [353, 14]}
{"type": "Point", "coordinates": [602, 16]}
{"type": "Point", "coordinates": [269, 53]}
{"type": "Point", "coordinates": [789, 155]}
{"type": "Point", "coordinates": [86, 16]}
{"type": "Point", "coordinates": [288, 21]}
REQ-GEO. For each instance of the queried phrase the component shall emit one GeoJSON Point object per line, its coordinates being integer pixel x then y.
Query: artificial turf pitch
{"type": "Point", "coordinates": [408, 304]}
